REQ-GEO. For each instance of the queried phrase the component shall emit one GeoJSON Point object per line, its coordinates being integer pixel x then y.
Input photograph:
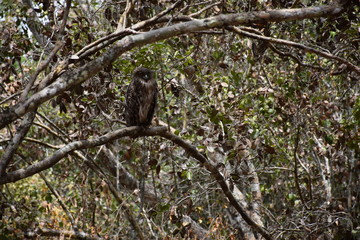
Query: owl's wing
{"type": "Point", "coordinates": [132, 105]}
{"type": "Point", "coordinates": [152, 107]}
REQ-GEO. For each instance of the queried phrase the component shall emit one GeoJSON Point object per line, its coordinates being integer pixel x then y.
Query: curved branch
{"type": "Point", "coordinates": [14, 143]}
{"type": "Point", "coordinates": [47, 232]}
{"type": "Point", "coordinates": [39, 69]}
{"type": "Point", "coordinates": [134, 132]}
{"type": "Point", "coordinates": [299, 46]}
{"type": "Point", "coordinates": [77, 145]}
{"type": "Point", "coordinates": [118, 34]}
{"type": "Point", "coordinates": [219, 178]}
{"type": "Point", "coordinates": [83, 73]}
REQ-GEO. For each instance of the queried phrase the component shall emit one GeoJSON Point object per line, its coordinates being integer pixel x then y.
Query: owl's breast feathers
{"type": "Point", "coordinates": [141, 98]}
{"type": "Point", "coordinates": [147, 102]}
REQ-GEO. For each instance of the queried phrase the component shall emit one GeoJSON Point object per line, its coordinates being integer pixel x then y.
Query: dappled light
{"type": "Point", "coordinates": [179, 119]}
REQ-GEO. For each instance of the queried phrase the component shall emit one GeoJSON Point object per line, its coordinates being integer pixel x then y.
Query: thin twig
{"type": "Point", "coordinates": [107, 40]}
{"type": "Point", "coordinates": [123, 21]}
{"type": "Point", "coordinates": [204, 9]}
{"type": "Point", "coordinates": [297, 45]}
{"type": "Point", "coordinates": [296, 167]}
{"type": "Point", "coordinates": [59, 199]}
{"type": "Point", "coordinates": [41, 67]}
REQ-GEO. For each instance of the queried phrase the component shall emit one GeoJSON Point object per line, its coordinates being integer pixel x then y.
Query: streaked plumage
{"type": "Point", "coordinates": [141, 98]}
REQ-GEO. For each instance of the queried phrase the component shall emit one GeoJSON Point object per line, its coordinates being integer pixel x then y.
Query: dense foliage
{"type": "Point", "coordinates": [279, 120]}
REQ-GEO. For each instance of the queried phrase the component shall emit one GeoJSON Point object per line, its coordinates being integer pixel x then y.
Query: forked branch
{"type": "Point", "coordinates": [135, 132]}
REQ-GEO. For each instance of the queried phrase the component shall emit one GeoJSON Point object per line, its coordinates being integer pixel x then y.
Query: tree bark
{"type": "Point", "coordinates": [77, 76]}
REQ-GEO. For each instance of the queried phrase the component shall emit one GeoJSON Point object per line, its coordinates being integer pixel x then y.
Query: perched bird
{"type": "Point", "coordinates": [141, 98]}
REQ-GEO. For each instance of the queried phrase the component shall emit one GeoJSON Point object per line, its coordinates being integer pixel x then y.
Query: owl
{"type": "Point", "coordinates": [141, 98]}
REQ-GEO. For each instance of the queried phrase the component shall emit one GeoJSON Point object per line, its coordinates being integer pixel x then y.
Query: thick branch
{"type": "Point", "coordinates": [77, 145]}
{"type": "Point", "coordinates": [46, 232]}
{"type": "Point", "coordinates": [117, 35]}
{"type": "Point", "coordinates": [39, 69]}
{"type": "Point", "coordinates": [83, 73]}
{"type": "Point", "coordinates": [14, 143]}
{"type": "Point", "coordinates": [219, 178]}
{"type": "Point", "coordinates": [135, 131]}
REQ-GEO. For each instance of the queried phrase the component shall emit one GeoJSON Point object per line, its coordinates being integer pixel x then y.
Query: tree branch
{"type": "Point", "coordinates": [14, 143]}
{"type": "Point", "coordinates": [72, 78]}
{"type": "Point", "coordinates": [77, 145]}
{"type": "Point", "coordinates": [219, 178]}
{"type": "Point", "coordinates": [34, 23]}
{"type": "Point", "coordinates": [124, 205]}
{"type": "Point", "coordinates": [299, 46]}
{"type": "Point", "coordinates": [135, 132]}
{"type": "Point", "coordinates": [47, 232]}
{"type": "Point", "coordinates": [39, 69]}
{"type": "Point", "coordinates": [119, 34]}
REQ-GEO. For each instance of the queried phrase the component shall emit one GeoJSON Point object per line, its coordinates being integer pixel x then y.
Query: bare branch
{"type": "Point", "coordinates": [123, 21]}
{"type": "Point", "coordinates": [299, 46]}
{"type": "Point", "coordinates": [296, 168]}
{"type": "Point", "coordinates": [14, 143]}
{"type": "Point", "coordinates": [40, 68]}
{"type": "Point", "coordinates": [120, 33]}
{"type": "Point", "coordinates": [204, 9]}
{"type": "Point", "coordinates": [136, 131]}
{"type": "Point", "coordinates": [77, 145]}
{"type": "Point", "coordinates": [66, 15]}
{"type": "Point", "coordinates": [83, 73]}
{"type": "Point", "coordinates": [47, 232]}
{"type": "Point", "coordinates": [219, 178]}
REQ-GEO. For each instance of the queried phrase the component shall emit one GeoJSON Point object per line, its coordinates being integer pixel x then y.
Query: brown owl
{"type": "Point", "coordinates": [141, 98]}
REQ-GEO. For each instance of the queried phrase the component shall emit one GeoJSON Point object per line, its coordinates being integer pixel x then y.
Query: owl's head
{"type": "Point", "coordinates": [144, 73]}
